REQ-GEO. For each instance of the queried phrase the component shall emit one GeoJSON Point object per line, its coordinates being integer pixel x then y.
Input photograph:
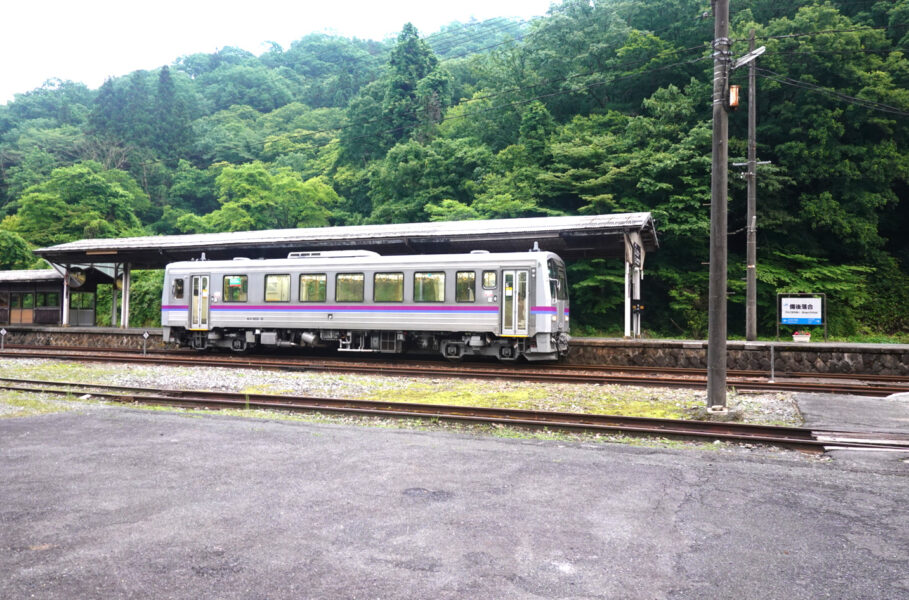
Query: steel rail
{"type": "Point", "coordinates": [477, 372]}
{"type": "Point", "coordinates": [737, 432]}
{"type": "Point", "coordinates": [313, 361]}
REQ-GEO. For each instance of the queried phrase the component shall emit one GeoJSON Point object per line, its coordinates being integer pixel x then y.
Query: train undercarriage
{"type": "Point", "coordinates": [453, 346]}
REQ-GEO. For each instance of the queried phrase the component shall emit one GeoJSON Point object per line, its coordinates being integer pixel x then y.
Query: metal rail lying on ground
{"type": "Point", "coordinates": [794, 437]}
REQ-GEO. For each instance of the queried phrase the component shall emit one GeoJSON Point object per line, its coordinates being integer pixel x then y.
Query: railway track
{"type": "Point", "coordinates": [792, 437]}
{"type": "Point", "coordinates": [617, 375]}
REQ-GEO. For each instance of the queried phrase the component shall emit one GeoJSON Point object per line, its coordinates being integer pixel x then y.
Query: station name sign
{"type": "Point", "coordinates": [801, 311]}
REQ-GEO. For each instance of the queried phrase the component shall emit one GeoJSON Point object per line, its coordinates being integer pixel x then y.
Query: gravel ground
{"type": "Point", "coordinates": [773, 408]}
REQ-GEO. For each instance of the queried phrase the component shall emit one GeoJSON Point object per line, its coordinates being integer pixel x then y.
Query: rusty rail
{"type": "Point", "coordinates": [794, 437]}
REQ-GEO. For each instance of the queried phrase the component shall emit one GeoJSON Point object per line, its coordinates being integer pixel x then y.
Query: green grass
{"type": "Point", "coordinates": [22, 404]}
{"type": "Point", "coordinates": [605, 400]}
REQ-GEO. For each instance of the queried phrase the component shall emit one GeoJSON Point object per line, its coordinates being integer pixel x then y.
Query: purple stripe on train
{"type": "Point", "coordinates": [355, 308]}
{"type": "Point", "coordinates": [370, 308]}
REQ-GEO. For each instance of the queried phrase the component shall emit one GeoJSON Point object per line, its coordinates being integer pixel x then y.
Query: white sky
{"type": "Point", "coordinates": [90, 40]}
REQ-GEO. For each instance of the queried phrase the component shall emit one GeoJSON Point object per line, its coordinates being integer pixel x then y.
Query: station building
{"type": "Point", "coordinates": [83, 265]}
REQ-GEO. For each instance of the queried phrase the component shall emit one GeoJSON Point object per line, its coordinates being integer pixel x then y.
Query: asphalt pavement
{"type": "Point", "coordinates": [121, 503]}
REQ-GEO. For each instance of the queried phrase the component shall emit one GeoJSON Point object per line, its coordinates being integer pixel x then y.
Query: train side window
{"type": "Point", "coordinates": [277, 288]}
{"type": "Point", "coordinates": [313, 287]}
{"type": "Point", "coordinates": [178, 288]}
{"type": "Point", "coordinates": [388, 287]}
{"type": "Point", "coordinates": [4, 300]}
{"type": "Point", "coordinates": [236, 288]}
{"type": "Point", "coordinates": [28, 301]}
{"type": "Point", "coordinates": [489, 280]}
{"type": "Point", "coordinates": [466, 286]}
{"type": "Point", "coordinates": [429, 287]}
{"type": "Point", "coordinates": [349, 287]}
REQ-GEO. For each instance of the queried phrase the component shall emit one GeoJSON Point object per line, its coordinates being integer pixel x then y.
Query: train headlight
{"type": "Point", "coordinates": [554, 318]}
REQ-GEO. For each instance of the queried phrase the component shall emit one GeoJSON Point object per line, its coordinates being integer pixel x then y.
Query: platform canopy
{"type": "Point", "coordinates": [571, 237]}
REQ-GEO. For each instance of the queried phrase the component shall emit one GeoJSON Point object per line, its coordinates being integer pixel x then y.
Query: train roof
{"type": "Point", "coordinates": [569, 236]}
{"type": "Point", "coordinates": [354, 259]}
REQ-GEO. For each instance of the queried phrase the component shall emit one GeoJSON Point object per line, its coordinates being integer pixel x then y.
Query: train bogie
{"type": "Point", "coordinates": [505, 305]}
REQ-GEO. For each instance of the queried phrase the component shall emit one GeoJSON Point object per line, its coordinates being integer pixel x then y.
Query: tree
{"type": "Point", "coordinates": [80, 201]}
{"type": "Point", "coordinates": [14, 252]}
{"type": "Point", "coordinates": [332, 68]}
{"type": "Point", "coordinates": [107, 116]}
{"type": "Point", "coordinates": [414, 175]}
{"type": "Point", "coordinates": [251, 85]}
{"type": "Point", "coordinates": [252, 196]}
{"type": "Point", "coordinates": [231, 135]}
{"type": "Point", "coordinates": [172, 132]}
{"type": "Point", "coordinates": [416, 90]}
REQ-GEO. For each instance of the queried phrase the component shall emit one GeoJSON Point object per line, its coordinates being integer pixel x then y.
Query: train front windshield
{"type": "Point", "coordinates": [558, 282]}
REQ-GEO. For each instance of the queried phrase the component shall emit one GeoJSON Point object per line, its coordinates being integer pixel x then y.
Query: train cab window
{"type": "Point", "coordinates": [313, 287]}
{"type": "Point", "coordinates": [177, 288]}
{"type": "Point", "coordinates": [429, 287]}
{"type": "Point", "coordinates": [277, 288]}
{"type": "Point", "coordinates": [466, 286]}
{"type": "Point", "coordinates": [489, 280]}
{"type": "Point", "coordinates": [236, 288]}
{"type": "Point", "coordinates": [558, 282]}
{"type": "Point", "coordinates": [388, 287]}
{"type": "Point", "coordinates": [349, 287]}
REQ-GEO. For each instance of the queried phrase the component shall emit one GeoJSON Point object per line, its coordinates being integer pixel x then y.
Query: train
{"type": "Point", "coordinates": [502, 304]}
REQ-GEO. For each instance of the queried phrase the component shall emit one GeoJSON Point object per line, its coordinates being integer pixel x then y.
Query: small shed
{"type": "Point", "coordinates": [35, 297]}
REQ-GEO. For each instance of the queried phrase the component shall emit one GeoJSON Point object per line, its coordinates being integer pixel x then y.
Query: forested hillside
{"type": "Point", "coordinates": [596, 108]}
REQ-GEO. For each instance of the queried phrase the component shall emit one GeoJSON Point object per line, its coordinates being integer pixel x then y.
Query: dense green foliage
{"type": "Point", "coordinates": [599, 107]}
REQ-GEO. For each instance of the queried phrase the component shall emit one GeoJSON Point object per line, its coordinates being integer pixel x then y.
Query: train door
{"type": "Point", "coordinates": [199, 303]}
{"type": "Point", "coordinates": [515, 302]}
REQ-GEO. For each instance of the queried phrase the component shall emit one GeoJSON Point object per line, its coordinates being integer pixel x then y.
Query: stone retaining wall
{"type": "Point", "coordinates": [85, 337]}
{"type": "Point", "coordinates": [878, 359]}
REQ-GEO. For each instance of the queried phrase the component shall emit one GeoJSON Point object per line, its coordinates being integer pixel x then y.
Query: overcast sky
{"type": "Point", "coordinates": [90, 40]}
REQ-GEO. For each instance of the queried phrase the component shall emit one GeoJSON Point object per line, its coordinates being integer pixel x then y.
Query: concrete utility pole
{"type": "Point", "coordinates": [751, 222]}
{"type": "Point", "coordinates": [716, 315]}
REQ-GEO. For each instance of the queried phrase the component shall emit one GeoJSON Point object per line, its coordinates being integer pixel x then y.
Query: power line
{"type": "Point", "coordinates": [448, 44]}
{"type": "Point", "coordinates": [870, 104]}
{"type": "Point", "coordinates": [812, 33]}
{"type": "Point", "coordinates": [853, 51]}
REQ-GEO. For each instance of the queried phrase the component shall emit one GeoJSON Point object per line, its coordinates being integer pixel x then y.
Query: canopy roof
{"type": "Point", "coordinates": [570, 237]}
{"type": "Point", "coordinates": [26, 275]}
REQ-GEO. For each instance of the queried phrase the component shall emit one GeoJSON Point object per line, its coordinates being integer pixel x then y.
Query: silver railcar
{"type": "Point", "coordinates": [497, 304]}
